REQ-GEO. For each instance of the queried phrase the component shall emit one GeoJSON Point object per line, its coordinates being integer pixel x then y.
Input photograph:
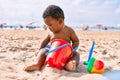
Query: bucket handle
{"type": "Point", "coordinates": [59, 47]}
{"type": "Point", "coordinates": [90, 53]}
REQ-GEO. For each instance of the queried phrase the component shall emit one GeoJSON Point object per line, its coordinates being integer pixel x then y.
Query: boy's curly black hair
{"type": "Point", "coordinates": [54, 11]}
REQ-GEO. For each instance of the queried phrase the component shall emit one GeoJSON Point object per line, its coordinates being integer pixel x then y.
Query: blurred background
{"type": "Point", "coordinates": [79, 14]}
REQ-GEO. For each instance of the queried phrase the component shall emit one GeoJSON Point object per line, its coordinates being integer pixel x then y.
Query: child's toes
{"type": "Point", "coordinates": [71, 65]}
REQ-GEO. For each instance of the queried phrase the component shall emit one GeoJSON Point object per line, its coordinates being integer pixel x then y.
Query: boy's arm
{"type": "Point", "coordinates": [45, 41]}
{"type": "Point", "coordinates": [74, 39]}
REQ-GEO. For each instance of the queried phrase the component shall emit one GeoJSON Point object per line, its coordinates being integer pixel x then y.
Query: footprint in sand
{"type": "Point", "coordinates": [104, 52]}
{"type": "Point", "coordinates": [14, 49]}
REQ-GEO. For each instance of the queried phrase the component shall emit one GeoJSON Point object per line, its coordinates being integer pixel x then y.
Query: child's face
{"type": "Point", "coordinates": [53, 24]}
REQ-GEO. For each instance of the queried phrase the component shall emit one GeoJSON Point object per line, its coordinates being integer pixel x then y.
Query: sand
{"type": "Point", "coordinates": [17, 49]}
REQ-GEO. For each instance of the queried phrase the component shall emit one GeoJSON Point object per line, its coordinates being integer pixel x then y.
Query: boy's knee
{"type": "Point", "coordinates": [76, 57]}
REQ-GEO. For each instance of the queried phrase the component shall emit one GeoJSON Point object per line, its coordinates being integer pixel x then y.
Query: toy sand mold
{"type": "Point", "coordinates": [94, 65]}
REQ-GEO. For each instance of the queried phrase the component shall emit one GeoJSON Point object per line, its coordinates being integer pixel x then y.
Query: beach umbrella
{"type": "Point", "coordinates": [99, 25]}
{"type": "Point", "coordinates": [84, 26]}
{"type": "Point", "coordinates": [2, 25]}
{"type": "Point", "coordinates": [31, 23]}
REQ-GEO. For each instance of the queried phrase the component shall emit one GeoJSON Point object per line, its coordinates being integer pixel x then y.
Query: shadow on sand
{"type": "Point", "coordinates": [112, 75]}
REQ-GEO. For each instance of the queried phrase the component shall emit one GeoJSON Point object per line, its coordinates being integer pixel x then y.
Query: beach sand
{"type": "Point", "coordinates": [17, 49]}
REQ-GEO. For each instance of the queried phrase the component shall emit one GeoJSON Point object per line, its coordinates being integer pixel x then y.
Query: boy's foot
{"type": "Point", "coordinates": [71, 65]}
{"type": "Point", "coordinates": [32, 67]}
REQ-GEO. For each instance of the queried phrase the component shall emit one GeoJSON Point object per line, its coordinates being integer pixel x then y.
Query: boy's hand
{"type": "Point", "coordinates": [75, 48]}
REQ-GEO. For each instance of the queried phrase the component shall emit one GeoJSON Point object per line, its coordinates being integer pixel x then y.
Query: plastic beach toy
{"type": "Point", "coordinates": [59, 53]}
{"type": "Point", "coordinates": [94, 65]}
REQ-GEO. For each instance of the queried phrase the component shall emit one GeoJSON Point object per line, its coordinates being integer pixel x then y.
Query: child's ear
{"type": "Point", "coordinates": [60, 20]}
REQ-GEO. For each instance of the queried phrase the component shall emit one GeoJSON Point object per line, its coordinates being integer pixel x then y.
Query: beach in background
{"type": "Point", "coordinates": [17, 49]}
{"type": "Point", "coordinates": [81, 27]}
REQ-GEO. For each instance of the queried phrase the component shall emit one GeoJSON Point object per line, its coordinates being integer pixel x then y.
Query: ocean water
{"type": "Point", "coordinates": [74, 27]}
{"type": "Point", "coordinates": [98, 28]}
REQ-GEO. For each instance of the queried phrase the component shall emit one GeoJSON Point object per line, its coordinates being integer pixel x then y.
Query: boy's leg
{"type": "Point", "coordinates": [39, 61]}
{"type": "Point", "coordinates": [73, 62]}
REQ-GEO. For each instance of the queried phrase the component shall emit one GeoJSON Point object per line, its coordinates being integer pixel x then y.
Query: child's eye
{"type": "Point", "coordinates": [50, 25]}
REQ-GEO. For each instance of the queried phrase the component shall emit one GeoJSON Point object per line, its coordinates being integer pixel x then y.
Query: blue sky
{"type": "Point", "coordinates": [91, 12]}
